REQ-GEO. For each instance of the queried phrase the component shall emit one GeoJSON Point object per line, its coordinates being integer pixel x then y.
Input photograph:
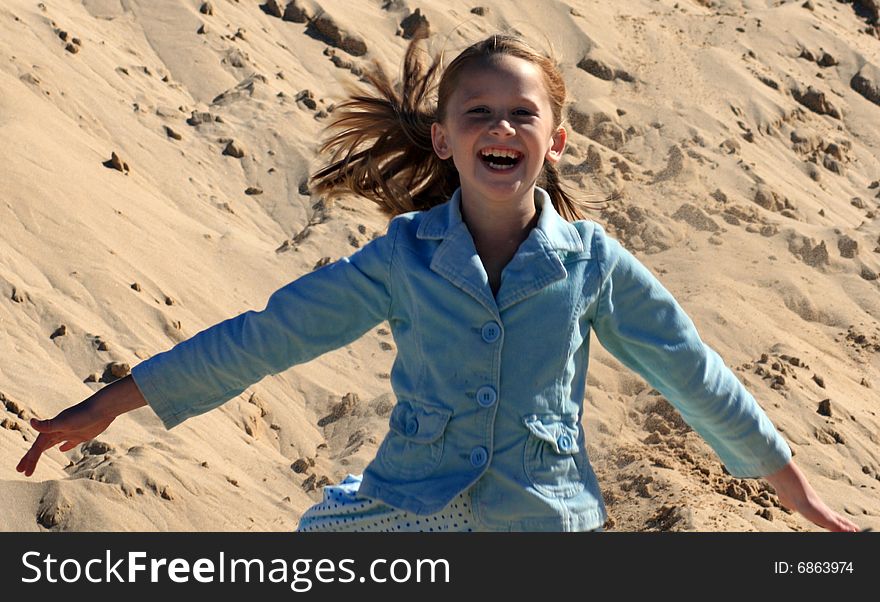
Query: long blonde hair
{"type": "Point", "coordinates": [380, 139]}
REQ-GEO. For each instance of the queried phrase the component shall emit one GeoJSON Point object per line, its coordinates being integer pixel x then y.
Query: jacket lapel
{"type": "Point", "coordinates": [535, 265]}
{"type": "Point", "coordinates": [456, 258]}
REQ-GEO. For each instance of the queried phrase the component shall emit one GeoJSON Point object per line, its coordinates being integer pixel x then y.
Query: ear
{"type": "Point", "coordinates": [439, 141]}
{"type": "Point", "coordinates": [557, 145]}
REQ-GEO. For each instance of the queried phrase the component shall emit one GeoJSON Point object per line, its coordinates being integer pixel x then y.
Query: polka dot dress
{"type": "Point", "coordinates": [344, 510]}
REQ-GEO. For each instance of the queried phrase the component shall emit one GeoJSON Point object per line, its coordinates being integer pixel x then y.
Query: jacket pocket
{"type": "Point", "coordinates": [414, 444]}
{"type": "Point", "coordinates": [553, 460]}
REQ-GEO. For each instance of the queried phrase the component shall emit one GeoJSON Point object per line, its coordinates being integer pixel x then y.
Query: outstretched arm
{"type": "Point", "coordinates": [641, 324]}
{"type": "Point", "coordinates": [81, 422]}
{"type": "Point", "coordinates": [796, 494]}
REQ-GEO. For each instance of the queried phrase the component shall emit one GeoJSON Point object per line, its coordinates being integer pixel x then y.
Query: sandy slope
{"type": "Point", "coordinates": [747, 159]}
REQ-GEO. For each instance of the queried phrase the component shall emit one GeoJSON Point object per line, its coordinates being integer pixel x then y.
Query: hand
{"type": "Point", "coordinates": [82, 422]}
{"type": "Point", "coordinates": [795, 493]}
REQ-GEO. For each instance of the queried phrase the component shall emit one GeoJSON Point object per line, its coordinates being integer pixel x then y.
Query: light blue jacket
{"type": "Point", "coordinates": [489, 388]}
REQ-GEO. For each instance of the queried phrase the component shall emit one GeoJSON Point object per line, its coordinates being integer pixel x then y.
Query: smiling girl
{"type": "Point", "coordinates": [491, 281]}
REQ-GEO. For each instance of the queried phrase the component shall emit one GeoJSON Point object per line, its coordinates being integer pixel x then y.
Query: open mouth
{"type": "Point", "coordinates": [500, 159]}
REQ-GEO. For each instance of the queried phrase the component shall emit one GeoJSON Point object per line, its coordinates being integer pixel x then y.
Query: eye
{"type": "Point", "coordinates": [478, 110]}
{"type": "Point", "coordinates": [526, 112]}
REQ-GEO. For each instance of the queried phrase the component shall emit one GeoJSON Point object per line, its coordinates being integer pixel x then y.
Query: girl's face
{"type": "Point", "coordinates": [499, 130]}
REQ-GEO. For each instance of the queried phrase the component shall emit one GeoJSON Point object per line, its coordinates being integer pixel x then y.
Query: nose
{"type": "Point", "coordinates": [502, 127]}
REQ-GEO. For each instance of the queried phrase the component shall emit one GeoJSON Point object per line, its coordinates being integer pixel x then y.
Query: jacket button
{"type": "Point", "coordinates": [564, 442]}
{"type": "Point", "coordinates": [490, 332]}
{"type": "Point", "coordinates": [412, 426]}
{"type": "Point", "coordinates": [486, 396]}
{"type": "Point", "coordinates": [479, 455]}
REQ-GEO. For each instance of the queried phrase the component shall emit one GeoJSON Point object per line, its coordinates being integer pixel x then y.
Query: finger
{"type": "Point", "coordinates": [29, 462]}
{"type": "Point", "coordinates": [43, 426]}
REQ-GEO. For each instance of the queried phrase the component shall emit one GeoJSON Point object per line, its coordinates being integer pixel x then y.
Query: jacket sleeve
{"type": "Point", "coordinates": [319, 312]}
{"type": "Point", "coordinates": [639, 322]}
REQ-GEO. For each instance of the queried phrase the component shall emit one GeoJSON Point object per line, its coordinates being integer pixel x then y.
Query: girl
{"type": "Point", "coordinates": [491, 285]}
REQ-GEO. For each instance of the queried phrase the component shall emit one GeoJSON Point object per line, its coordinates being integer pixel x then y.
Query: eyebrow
{"type": "Point", "coordinates": [482, 95]}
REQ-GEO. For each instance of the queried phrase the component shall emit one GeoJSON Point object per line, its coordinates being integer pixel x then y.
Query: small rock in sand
{"type": "Point", "coordinates": [816, 101]}
{"type": "Point", "coordinates": [234, 149]}
{"type": "Point", "coordinates": [113, 372]}
{"type": "Point", "coordinates": [696, 217]}
{"type": "Point", "coordinates": [867, 83]}
{"type": "Point", "coordinates": [848, 247]}
{"type": "Point", "coordinates": [14, 407]}
{"type": "Point", "coordinates": [731, 146]}
{"type": "Point", "coordinates": [96, 448]}
{"type": "Point", "coordinates": [596, 68]}
{"type": "Point", "coordinates": [826, 60]}
{"type": "Point", "coordinates": [300, 465]}
{"type": "Point", "coordinates": [814, 256]}
{"type": "Point", "coordinates": [253, 191]}
{"type": "Point", "coordinates": [838, 150]}
{"type": "Point", "coordinates": [10, 425]}
{"type": "Point", "coordinates": [341, 409]}
{"type": "Point", "coordinates": [59, 332]}
{"type": "Point", "coordinates": [297, 12]}
{"type": "Point", "coordinates": [824, 407]}
{"type": "Point", "coordinates": [114, 162]}
{"type": "Point", "coordinates": [415, 26]}
{"type": "Point", "coordinates": [767, 198]}
{"type": "Point", "coordinates": [324, 27]}
{"type": "Point", "coordinates": [200, 117]}
{"type": "Point", "coordinates": [271, 8]}
{"type": "Point", "coordinates": [307, 98]}
{"type": "Point", "coordinates": [819, 380]}
{"type": "Point", "coordinates": [172, 134]}
{"type": "Point", "coordinates": [206, 8]}
{"type": "Point", "coordinates": [119, 369]}
{"type": "Point", "coordinates": [321, 263]}
{"type": "Point", "coordinates": [394, 5]}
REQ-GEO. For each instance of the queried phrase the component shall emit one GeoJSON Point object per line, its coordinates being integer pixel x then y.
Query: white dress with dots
{"type": "Point", "coordinates": [344, 510]}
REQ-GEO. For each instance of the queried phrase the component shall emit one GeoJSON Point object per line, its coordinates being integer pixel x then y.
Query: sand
{"type": "Point", "coordinates": [153, 183]}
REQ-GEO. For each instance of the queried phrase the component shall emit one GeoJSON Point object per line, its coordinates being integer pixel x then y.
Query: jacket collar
{"type": "Point", "coordinates": [535, 265]}
{"type": "Point", "coordinates": [560, 235]}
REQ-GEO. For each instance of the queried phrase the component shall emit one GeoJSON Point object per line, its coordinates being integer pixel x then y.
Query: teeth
{"type": "Point", "coordinates": [497, 166]}
{"type": "Point", "coordinates": [497, 152]}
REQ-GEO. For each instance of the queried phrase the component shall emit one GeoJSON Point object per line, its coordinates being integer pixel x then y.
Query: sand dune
{"type": "Point", "coordinates": [153, 183]}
